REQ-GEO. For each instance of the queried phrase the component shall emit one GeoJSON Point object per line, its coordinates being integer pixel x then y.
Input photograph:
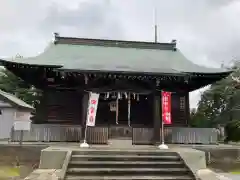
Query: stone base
{"type": "Point", "coordinates": [52, 158]}
{"type": "Point", "coordinates": [84, 145]}
{"type": "Point", "coordinates": [163, 146]}
{"type": "Point", "coordinates": [59, 157]}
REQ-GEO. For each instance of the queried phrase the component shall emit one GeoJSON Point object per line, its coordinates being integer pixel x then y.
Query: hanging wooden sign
{"type": "Point", "coordinates": [22, 116]}
{"type": "Point", "coordinates": [113, 106]}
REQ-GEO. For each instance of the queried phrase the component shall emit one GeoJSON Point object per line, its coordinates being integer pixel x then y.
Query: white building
{"type": "Point", "coordinates": [12, 109]}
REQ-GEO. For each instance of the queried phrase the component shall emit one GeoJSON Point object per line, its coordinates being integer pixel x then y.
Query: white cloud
{"type": "Point", "coordinates": [195, 96]}
{"type": "Point", "coordinates": [207, 31]}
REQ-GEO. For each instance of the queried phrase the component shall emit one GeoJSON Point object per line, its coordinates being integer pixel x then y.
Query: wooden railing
{"type": "Point", "coordinates": [97, 135]}
{"type": "Point", "coordinates": [142, 136]}
{"type": "Point", "coordinates": [100, 135]}
{"type": "Point", "coordinates": [50, 133]}
{"type": "Point", "coordinates": [124, 132]}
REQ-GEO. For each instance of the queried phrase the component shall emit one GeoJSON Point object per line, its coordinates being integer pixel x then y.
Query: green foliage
{"type": "Point", "coordinates": [14, 85]}
{"type": "Point", "coordinates": [232, 130]}
{"type": "Point", "coordinates": [198, 119]}
{"type": "Point", "coordinates": [219, 104]}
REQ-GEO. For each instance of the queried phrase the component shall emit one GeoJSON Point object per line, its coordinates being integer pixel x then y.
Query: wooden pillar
{"type": "Point", "coordinates": [117, 110]}
{"type": "Point", "coordinates": [85, 97]}
{"type": "Point", "coordinates": [84, 109]}
{"type": "Point", "coordinates": [187, 115]}
{"type": "Point", "coordinates": [157, 118]}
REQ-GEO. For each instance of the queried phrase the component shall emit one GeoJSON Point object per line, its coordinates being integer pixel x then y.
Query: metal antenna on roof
{"type": "Point", "coordinates": [155, 26]}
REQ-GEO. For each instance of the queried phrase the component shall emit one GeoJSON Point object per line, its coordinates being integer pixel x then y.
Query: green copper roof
{"type": "Point", "coordinates": [14, 100]}
{"type": "Point", "coordinates": [128, 58]}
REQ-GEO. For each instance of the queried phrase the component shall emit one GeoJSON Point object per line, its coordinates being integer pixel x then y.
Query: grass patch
{"type": "Point", "coordinates": [6, 172]}
{"type": "Point", "coordinates": [235, 172]}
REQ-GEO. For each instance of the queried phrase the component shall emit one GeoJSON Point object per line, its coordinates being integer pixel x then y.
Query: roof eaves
{"type": "Point", "coordinates": [214, 77]}
{"type": "Point", "coordinates": [15, 101]}
{"type": "Point", "coordinates": [214, 73]}
{"type": "Point", "coordinates": [5, 62]}
{"type": "Point", "coordinates": [171, 73]}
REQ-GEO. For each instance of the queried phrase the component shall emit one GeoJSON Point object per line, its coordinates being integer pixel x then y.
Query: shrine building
{"type": "Point", "coordinates": [128, 75]}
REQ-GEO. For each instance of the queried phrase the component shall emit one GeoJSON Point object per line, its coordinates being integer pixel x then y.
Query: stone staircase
{"type": "Point", "coordinates": [126, 165]}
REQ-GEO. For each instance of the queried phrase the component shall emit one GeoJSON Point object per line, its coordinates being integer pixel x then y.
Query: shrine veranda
{"type": "Point", "coordinates": [128, 75]}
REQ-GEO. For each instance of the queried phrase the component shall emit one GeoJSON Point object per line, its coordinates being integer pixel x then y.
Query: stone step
{"type": "Point", "coordinates": [126, 165]}
{"type": "Point", "coordinates": [128, 171]}
{"type": "Point", "coordinates": [124, 158]}
{"type": "Point", "coordinates": [129, 178]}
{"type": "Point", "coordinates": [125, 152]}
{"type": "Point", "coordinates": [129, 164]}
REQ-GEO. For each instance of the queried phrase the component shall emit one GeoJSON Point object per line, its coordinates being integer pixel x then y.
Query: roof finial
{"type": "Point", "coordinates": [56, 36]}
{"type": "Point", "coordinates": [174, 42]}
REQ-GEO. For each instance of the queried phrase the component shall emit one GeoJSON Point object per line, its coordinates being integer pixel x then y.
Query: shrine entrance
{"type": "Point", "coordinates": [123, 111]}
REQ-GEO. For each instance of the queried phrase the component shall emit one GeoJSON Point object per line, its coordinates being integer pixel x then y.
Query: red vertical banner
{"type": "Point", "coordinates": [166, 107]}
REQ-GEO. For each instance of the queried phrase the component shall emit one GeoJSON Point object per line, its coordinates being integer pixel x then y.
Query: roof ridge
{"type": "Point", "coordinates": [114, 43]}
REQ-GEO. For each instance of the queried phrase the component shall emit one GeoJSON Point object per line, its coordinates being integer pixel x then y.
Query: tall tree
{"type": "Point", "coordinates": [219, 104]}
{"type": "Point", "coordinates": [16, 86]}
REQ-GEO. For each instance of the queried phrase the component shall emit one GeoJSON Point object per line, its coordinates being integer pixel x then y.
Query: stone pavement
{"type": "Point", "coordinates": [43, 174]}
{"type": "Point", "coordinates": [231, 176]}
{"type": "Point", "coordinates": [207, 174]}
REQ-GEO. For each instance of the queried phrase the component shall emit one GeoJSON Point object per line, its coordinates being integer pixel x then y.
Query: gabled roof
{"type": "Point", "coordinates": [13, 100]}
{"type": "Point", "coordinates": [117, 56]}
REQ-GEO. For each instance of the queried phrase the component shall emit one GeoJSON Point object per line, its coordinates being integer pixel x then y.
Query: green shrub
{"type": "Point", "coordinates": [232, 130]}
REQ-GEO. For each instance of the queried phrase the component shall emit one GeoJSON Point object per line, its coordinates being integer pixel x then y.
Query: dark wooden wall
{"type": "Point", "coordinates": [141, 112]}
{"type": "Point", "coordinates": [180, 109]}
{"type": "Point", "coordinates": [65, 107]}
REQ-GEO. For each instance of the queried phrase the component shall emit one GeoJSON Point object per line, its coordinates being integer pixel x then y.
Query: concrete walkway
{"type": "Point", "coordinates": [231, 176]}
{"type": "Point", "coordinates": [126, 142]}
